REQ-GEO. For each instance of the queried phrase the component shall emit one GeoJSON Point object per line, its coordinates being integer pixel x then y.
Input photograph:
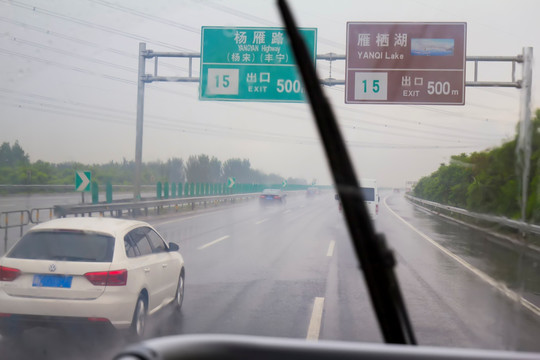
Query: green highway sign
{"type": "Point", "coordinates": [284, 183]}
{"type": "Point", "coordinates": [251, 64]}
{"type": "Point", "coordinates": [230, 182]}
{"type": "Point", "coordinates": [82, 180]}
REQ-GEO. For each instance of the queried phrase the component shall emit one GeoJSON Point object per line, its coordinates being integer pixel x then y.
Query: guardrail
{"type": "Point", "coordinates": [36, 217]}
{"type": "Point", "coordinates": [134, 208]}
{"type": "Point", "coordinates": [22, 215]}
{"type": "Point", "coordinates": [500, 220]}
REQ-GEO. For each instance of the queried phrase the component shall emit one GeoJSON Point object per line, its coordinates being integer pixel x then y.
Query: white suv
{"type": "Point", "coordinates": [101, 271]}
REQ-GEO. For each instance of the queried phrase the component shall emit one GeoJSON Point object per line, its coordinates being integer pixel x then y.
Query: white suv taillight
{"type": "Point", "coordinates": [108, 278]}
{"type": "Point", "coordinates": [8, 274]}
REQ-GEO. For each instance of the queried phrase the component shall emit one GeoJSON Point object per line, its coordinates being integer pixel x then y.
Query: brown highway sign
{"type": "Point", "coordinates": [405, 63]}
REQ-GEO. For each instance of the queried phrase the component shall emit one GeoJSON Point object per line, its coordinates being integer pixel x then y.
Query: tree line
{"type": "Point", "coordinates": [487, 181]}
{"type": "Point", "coordinates": [16, 169]}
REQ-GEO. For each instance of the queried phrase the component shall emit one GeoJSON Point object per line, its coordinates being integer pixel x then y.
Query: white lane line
{"type": "Point", "coordinates": [158, 223]}
{"type": "Point", "coordinates": [316, 318]}
{"type": "Point", "coordinates": [213, 242]}
{"type": "Point", "coordinates": [330, 251]}
{"type": "Point", "coordinates": [482, 275]}
{"type": "Point", "coordinates": [261, 221]}
{"type": "Point", "coordinates": [287, 211]}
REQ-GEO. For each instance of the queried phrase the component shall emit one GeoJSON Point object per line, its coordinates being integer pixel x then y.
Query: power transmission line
{"type": "Point", "coordinates": [204, 129]}
{"type": "Point", "coordinates": [92, 25]}
{"type": "Point", "coordinates": [242, 14]}
{"type": "Point", "coordinates": [157, 19]}
{"type": "Point", "coordinates": [356, 127]}
{"type": "Point", "coordinates": [72, 54]}
{"type": "Point", "coordinates": [83, 42]}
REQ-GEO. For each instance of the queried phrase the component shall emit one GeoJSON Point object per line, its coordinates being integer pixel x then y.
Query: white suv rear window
{"type": "Point", "coordinates": [66, 245]}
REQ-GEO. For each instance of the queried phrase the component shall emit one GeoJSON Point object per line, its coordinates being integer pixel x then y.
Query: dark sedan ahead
{"type": "Point", "coordinates": [272, 197]}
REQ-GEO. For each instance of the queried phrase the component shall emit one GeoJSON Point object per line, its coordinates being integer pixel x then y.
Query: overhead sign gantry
{"type": "Point", "coordinates": [434, 81]}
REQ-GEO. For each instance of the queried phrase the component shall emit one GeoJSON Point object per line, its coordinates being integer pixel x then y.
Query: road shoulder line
{"type": "Point", "coordinates": [482, 275]}
{"type": "Point", "coordinates": [314, 328]}
{"type": "Point", "coordinates": [213, 242]}
{"type": "Point", "coordinates": [330, 251]}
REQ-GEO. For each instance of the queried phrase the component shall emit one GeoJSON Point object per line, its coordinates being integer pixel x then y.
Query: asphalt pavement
{"type": "Point", "coordinates": [290, 271]}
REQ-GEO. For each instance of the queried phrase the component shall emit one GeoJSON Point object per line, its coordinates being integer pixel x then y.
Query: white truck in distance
{"type": "Point", "coordinates": [370, 193]}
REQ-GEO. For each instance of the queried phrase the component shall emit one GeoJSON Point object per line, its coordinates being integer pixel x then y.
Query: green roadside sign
{"type": "Point", "coordinates": [230, 182]}
{"type": "Point", "coordinates": [83, 180]}
{"type": "Point", "coordinates": [251, 64]}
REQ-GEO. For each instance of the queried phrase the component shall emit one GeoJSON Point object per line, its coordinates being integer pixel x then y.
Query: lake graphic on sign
{"type": "Point", "coordinates": [432, 47]}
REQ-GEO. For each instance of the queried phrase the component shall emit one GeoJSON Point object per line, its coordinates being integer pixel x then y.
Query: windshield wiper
{"type": "Point", "coordinates": [376, 259]}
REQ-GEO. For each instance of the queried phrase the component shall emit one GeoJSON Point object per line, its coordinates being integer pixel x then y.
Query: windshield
{"type": "Point", "coordinates": [182, 114]}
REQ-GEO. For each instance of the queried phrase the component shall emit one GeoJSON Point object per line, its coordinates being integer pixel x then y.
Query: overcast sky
{"type": "Point", "coordinates": [69, 71]}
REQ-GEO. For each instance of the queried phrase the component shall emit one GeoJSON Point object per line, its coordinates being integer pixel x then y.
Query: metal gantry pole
{"type": "Point", "coordinates": [524, 145]}
{"type": "Point", "coordinates": [140, 117]}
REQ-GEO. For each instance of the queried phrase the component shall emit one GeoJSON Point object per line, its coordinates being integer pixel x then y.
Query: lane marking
{"type": "Point", "coordinates": [180, 219]}
{"type": "Point", "coordinates": [330, 251]}
{"type": "Point", "coordinates": [316, 318]}
{"type": "Point", "coordinates": [287, 211]}
{"type": "Point", "coordinates": [261, 221]}
{"type": "Point", "coordinates": [213, 242]}
{"type": "Point", "coordinates": [189, 217]}
{"type": "Point", "coordinates": [512, 295]}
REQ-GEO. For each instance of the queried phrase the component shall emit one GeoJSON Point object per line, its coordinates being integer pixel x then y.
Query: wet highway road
{"type": "Point", "coordinates": [291, 272]}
